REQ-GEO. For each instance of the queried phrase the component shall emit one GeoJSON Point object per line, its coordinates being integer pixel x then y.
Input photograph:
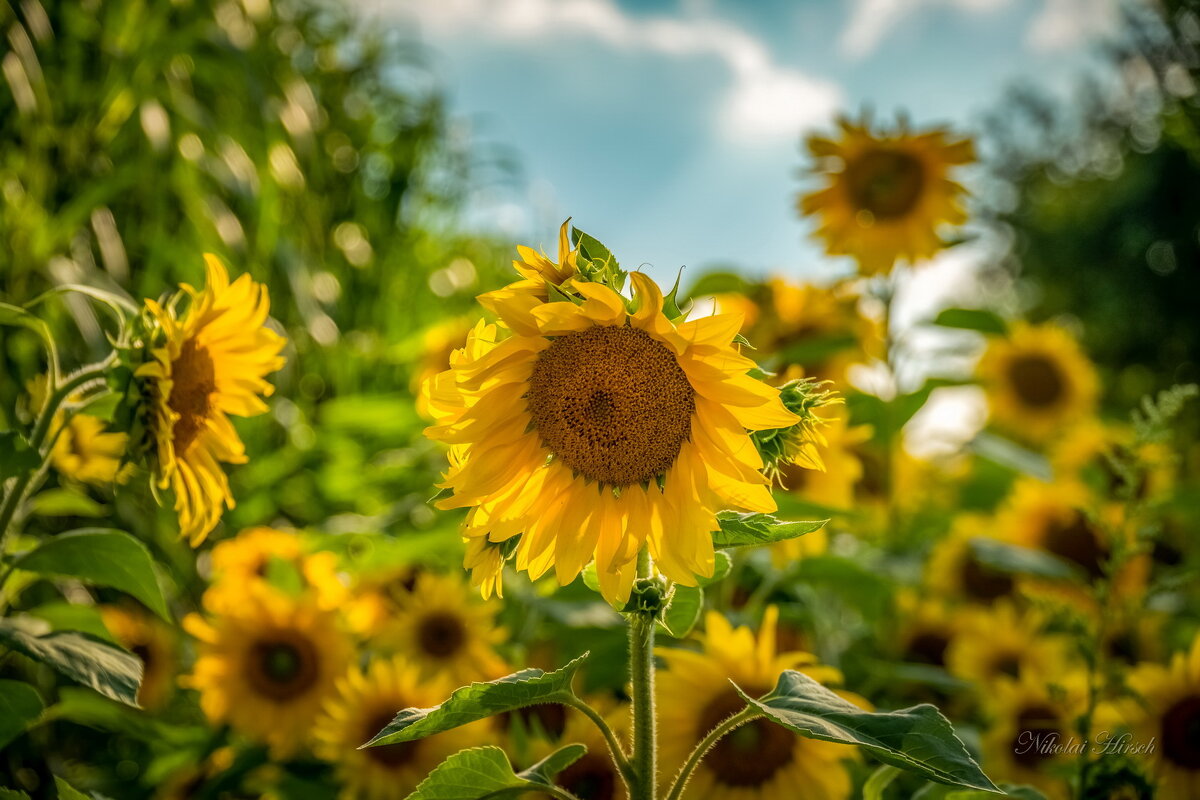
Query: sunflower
{"type": "Point", "coordinates": [155, 645]}
{"type": "Point", "coordinates": [955, 571]}
{"type": "Point", "coordinates": [817, 328]}
{"type": "Point", "coordinates": [592, 430]}
{"type": "Point", "coordinates": [364, 705]}
{"type": "Point", "coordinates": [832, 487]}
{"type": "Point", "coordinates": [760, 759]}
{"type": "Point", "coordinates": [247, 559]}
{"type": "Point", "coordinates": [886, 194]}
{"type": "Point", "coordinates": [1168, 714]}
{"type": "Point", "coordinates": [1032, 724]}
{"type": "Point", "coordinates": [1107, 458]}
{"type": "Point", "coordinates": [594, 776]}
{"type": "Point", "coordinates": [1002, 641]}
{"type": "Point", "coordinates": [927, 627]}
{"type": "Point", "coordinates": [375, 600]}
{"type": "Point", "coordinates": [445, 630]}
{"type": "Point", "coordinates": [211, 364]}
{"type": "Point", "coordinates": [1038, 381]}
{"type": "Point", "coordinates": [1054, 518]}
{"type": "Point", "coordinates": [438, 342]}
{"type": "Point", "coordinates": [82, 448]}
{"type": "Point", "coordinates": [266, 665]}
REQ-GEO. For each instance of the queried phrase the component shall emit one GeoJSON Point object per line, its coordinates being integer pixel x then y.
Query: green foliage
{"type": "Point", "coordinates": [482, 773]}
{"type": "Point", "coordinates": [918, 739]}
{"type": "Point", "coordinates": [20, 704]}
{"type": "Point", "coordinates": [109, 670]}
{"type": "Point", "coordinates": [481, 700]}
{"type": "Point", "coordinates": [104, 557]}
{"type": "Point", "coordinates": [744, 529]}
{"type": "Point", "coordinates": [972, 319]}
{"type": "Point", "coordinates": [683, 612]}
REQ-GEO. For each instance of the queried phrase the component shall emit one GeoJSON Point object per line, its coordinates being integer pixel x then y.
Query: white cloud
{"type": "Point", "coordinates": [1069, 23]}
{"type": "Point", "coordinates": [766, 102]}
{"type": "Point", "coordinates": [871, 20]}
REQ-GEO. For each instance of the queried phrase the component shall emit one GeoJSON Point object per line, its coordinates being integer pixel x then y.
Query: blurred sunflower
{"type": "Point", "coordinates": [594, 776]}
{"type": "Point", "coordinates": [1134, 633]}
{"type": "Point", "coordinates": [927, 627]}
{"type": "Point", "coordinates": [444, 629]}
{"type": "Point", "coordinates": [759, 759]}
{"type": "Point", "coordinates": [886, 194]}
{"type": "Point", "coordinates": [593, 430]}
{"type": "Point", "coordinates": [155, 645]}
{"type": "Point", "coordinates": [212, 363]}
{"type": "Point", "coordinates": [1038, 381]}
{"type": "Point", "coordinates": [954, 571]}
{"type": "Point", "coordinates": [364, 705]}
{"type": "Point", "coordinates": [247, 559]}
{"type": "Point", "coordinates": [376, 597]}
{"type": "Point", "coordinates": [1168, 713]}
{"type": "Point", "coordinates": [1053, 517]}
{"type": "Point", "coordinates": [266, 665]}
{"type": "Point", "coordinates": [82, 448]}
{"type": "Point", "coordinates": [1004, 642]}
{"type": "Point", "coordinates": [1030, 724]}
{"type": "Point", "coordinates": [1104, 456]}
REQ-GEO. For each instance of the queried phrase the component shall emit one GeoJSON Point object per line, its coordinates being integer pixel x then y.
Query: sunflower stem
{"type": "Point", "coordinates": [641, 670]}
{"type": "Point", "coordinates": [624, 766]}
{"type": "Point", "coordinates": [706, 744]}
{"type": "Point", "coordinates": [38, 440]}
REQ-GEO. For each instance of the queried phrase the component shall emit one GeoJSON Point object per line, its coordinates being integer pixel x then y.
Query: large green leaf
{"type": "Point", "coordinates": [918, 739]}
{"type": "Point", "coordinates": [742, 530]}
{"type": "Point", "coordinates": [482, 773]}
{"type": "Point", "coordinates": [683, 612]}
{"type": "Point", "coordinates": [973, 319]}
{"type": "Point", "coordinates": [101, 556]}
{"type": "Point", "coordinates": [528, 687]}
{"type": "Point", "coordinates": [20, 704]}
{"type": "Point", "coordinates": [109, 670]}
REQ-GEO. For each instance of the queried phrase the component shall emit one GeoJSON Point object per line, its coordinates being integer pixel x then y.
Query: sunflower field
{"type": "Point", "coordinates": [309, 489]}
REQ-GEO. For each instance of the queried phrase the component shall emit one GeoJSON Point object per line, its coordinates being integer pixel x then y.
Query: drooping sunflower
{"type": "Point", "coordinates": [1005, 642]}
{"type": "Point", "coordinates": [268, 664]}
{"type": "Point", "coordinates": [955, 571]}
{"type": "Point", "coordinates": [154, 643]}
{"type": "Point", "coordinates": [759, 760]}
{"type": "Point", "coordinates": [1055, 518]}
{"type": "Point", "coordinates": [1038, 381]}
{"type": "Point", "coordinates": [886, 194]}
{"type": "Point", "coordinates": [444, 629]}
{"type": "Point", "coordinates": [599, 425]}
{"type": "Point", "coordinates": [212, 363]}
{"type": "Point", "coordinates": [1168, 714]}
{"type": "Point", "coordinates": [594, 776]}
{"type": "Point", "coordinates": [363, 706]}
{"type": "Point", "coordinates": [1031, 722]}
{"type": "Point", "coordinates": [247, 558]}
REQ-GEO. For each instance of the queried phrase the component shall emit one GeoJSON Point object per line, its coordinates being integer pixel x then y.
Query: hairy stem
{"type": "Point", "coordinates": [641, 670]}
{"type": "Point", "coordinates": [706, 744]}
{"type": "Point", "coordinates": [624, 766]}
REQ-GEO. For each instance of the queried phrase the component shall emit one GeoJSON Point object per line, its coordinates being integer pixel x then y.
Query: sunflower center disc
{"type": "Point", "coordinates": [388, 755]}
{"type": "Point", "coordinates": [1037, 726]}
{"type": "Point", "coordinates": [282, 668]}
{"type": "Point", "coordinates": [1075, 540]}
{"type": "Point", "coordinates": [928, 647]}
{"type": "Point", "coordinates": [1036, 380]}
{"type": "Point", "coordinates": [590, 778]}
{"type": "Point", "coordinates": [887, 183]}
{"type": "Point", "coordinates": [1181, 733]}
{"type": "Point", "coordinates": [982, 582]}
{"type": "Point", "coordinates": [441, 635]}
{"type": "Point", "coordinates": [193, 381]}
{"type": "Point", "coordinates": [612, 403]}
{"type": "Point", "coordinates": [751, 754]}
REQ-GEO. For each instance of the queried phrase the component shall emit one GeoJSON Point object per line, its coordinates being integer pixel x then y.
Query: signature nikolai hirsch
{"type": "Point", "coordinates": [1049, 744]}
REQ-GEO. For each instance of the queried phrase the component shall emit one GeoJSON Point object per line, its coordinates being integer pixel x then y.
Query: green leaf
{"type": "Point", "coordinates": [109, 670]}
{"type": "Point", "coordinates": [593, 250]}
{"type": "Point", "coordinates": [683, 612]}
{"type": "Point", "coordinates": [1013, 558]}
{"type": "Point", "coordinates": [19, 317]}
{"type": "Point", "coordinates": [12, 794]}
{"type": "Point", "coordinates": [20, 704]}
{"type": "Point", "coordinates": [878, 782]}
{"type": "Point", "coordinates": [65, 503]}
{"type": "Point", "coordinates": [918, 739]}
{"type": "Point", "coordinates": [528, 687]}
{"type": "Point", "coordinates": [721, 568]}
{"type": "Point", "coordinates": [68, 792]}
{"type": "Point", "coordinates": [743, 529]}
{"type": "Point", "coordinates": [16, 456]}
{"type": "Point", "coordinates": [64, 616]}
{"type": "Point", "coordinates": [973, 319]}
{"type": "Point", "coordinates": [484, 772]}
{"type": "Point", "coordinates": [105, 557]}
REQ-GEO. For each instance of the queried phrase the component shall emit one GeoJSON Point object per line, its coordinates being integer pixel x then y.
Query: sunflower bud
{"type": "Point", "coordinates": [798, 443]}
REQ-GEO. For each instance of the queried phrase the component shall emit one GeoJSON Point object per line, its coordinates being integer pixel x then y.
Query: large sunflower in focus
{"type": "Point", "coordinates": [267, 665]}
{"type": "Point", "coordinates": [212, 363]}
{"type": "Point", "coordinates": [759, 760]}
{"type": "Point", "coordinates": [1168, 713]}
{"type": "Point", "coordinates": [1038, 381]}
{"type": "Point", "coordinates": [365, 704]}
{"type": "Point", "coordinates": [886, 194]}
{"type": "Point", "coordinates": [597, 425]}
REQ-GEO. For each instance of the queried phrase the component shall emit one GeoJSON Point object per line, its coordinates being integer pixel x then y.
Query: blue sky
{"type": "Point", "coordinates": [670, 129]}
